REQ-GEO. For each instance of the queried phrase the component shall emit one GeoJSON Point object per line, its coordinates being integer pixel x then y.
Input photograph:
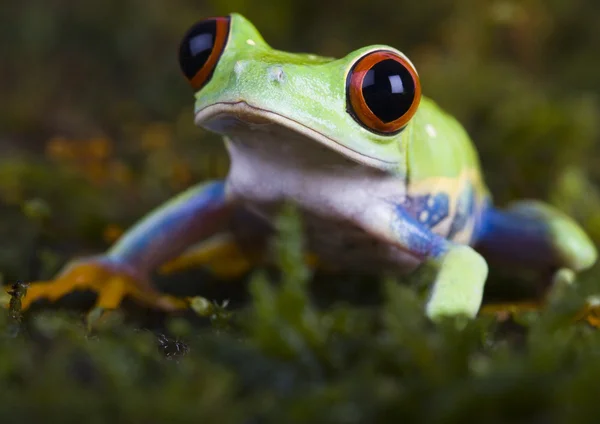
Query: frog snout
{"type": "Point", "coordinates": [276, 74]}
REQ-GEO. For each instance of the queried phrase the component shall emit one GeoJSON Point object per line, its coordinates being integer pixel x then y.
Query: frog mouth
{"type": "Point", "coordinates": [223, 116]}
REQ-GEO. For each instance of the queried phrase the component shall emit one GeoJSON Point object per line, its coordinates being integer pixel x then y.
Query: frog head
{"type": "Point", "coordinates": [357, 106]}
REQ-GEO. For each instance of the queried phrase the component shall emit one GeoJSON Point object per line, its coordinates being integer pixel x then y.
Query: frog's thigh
{"type": "Point", "coordinates": [220, 254]}
{"type": "Point", "coordinates": [535, 235]}
{"type": "Point", "coordinates": [223, 256]}
{"type": "Point", "coordinates": [460, 271]}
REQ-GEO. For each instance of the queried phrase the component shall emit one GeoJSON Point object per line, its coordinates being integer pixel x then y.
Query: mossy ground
{"type": "Point", "coordinates": [280, 358]}
{"type": "Point", "coordinates": [96, 129]}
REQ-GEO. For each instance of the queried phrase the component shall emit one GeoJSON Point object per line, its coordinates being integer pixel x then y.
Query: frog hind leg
{"type": "Point", "coordinates": [221, 255]}
{"type": "Point", "coordinates": [534, 235]}
{"type": "Point", "coordinates": [229, 254]}
{"type": "Point", "coordinates": [112, 281]}
{"type": "Point", "coordinates": [124, 270]}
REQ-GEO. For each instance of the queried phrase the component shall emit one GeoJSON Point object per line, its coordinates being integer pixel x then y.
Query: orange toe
{"type": "Point", "coordinates": [112, 286]}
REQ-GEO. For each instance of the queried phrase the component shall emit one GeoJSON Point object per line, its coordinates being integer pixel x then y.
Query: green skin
{"type": "Point", "coordinates": [413, 198]}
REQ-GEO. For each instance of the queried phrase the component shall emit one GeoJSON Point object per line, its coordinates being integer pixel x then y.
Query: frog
{"type": "Point", "coordinates": [385, 181]}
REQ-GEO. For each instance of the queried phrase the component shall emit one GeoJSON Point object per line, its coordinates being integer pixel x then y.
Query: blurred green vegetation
{"type": "Point", "coordinates": [96, 129]}
{"type": "Point", "coordinates": [282, 359]}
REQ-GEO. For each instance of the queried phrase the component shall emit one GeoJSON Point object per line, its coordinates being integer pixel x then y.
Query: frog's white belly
{"type": "Point", "coordinates": [338, 197]}
{"type": "Point", "coordinates": [344, 245]}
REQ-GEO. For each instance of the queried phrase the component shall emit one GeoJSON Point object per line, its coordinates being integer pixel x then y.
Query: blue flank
{"type": "Point", "coordinates": [465, 208]}
{"type": "Point", "coordinates": [428, 209]}
{"type": "Point", "coordinates": [416, 237]}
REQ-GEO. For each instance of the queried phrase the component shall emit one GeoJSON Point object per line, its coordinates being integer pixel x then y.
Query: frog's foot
{"type": "Point", "coordinates": [110, 280]}
{"type": "Point", "coordinates": [505, 311]}
{"type": "Point", "coordinates": [590, 313]}
{"type": "Point", "coordinates": [458, 288]}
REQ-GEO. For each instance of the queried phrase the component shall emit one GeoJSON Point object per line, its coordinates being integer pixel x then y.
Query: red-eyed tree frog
{"type": "Point", "coordinates": [385, 180]}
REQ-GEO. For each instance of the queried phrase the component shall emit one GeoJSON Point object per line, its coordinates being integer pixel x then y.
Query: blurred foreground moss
{"type": "Point", "coordinates": [282, 359]}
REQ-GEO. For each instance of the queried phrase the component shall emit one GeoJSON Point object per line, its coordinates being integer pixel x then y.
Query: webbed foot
{"type": "Point", "coordinates": [505, 311]}
{"type": "Point", "coordinates": [458, 288]}
{"type": "Point", "coordinates": [591, 312]}
{"type": "Point", "coordinates": [111, 280]}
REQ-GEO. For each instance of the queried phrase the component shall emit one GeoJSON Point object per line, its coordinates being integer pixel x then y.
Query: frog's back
{"type": "Point", "coordinates": [445, 186]}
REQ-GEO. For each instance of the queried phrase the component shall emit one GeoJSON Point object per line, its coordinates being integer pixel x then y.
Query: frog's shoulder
{"type": "Point", "coordinates": [439, 150]}
{"type": "Point", "coordinates": [445, 187]}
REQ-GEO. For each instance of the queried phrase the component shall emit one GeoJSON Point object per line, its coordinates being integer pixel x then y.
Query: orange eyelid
{"type": "Point", "coordinates": [220, 39]}
{"type": "Point", "coordinates": [357, 100]}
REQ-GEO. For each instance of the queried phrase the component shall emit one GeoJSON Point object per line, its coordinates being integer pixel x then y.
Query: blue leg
{"type": "Point", "coordinates": [531, 234]}
{"type": "Point", "coordinates": [124, 270]}
{"type": "Point", "coordinates": [192, 216]}
{"type": "Point", "coordinates": [460, 271]}
{"type": "Point", "coordinates": [534, 235]}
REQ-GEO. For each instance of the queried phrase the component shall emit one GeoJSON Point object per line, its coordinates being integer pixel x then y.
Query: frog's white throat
{"type": "Point", "coordinates": [347, 205]}
{"type": "Point", "coordinates": [272, 163]}
{"type": "Point", "coordinates": [234, 119]}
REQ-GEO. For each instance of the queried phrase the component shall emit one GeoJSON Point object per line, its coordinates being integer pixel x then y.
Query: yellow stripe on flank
{"type": "Point", "coordinates": [453, 187]}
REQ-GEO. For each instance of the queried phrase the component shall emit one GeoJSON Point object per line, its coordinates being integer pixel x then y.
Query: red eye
{"type": "Point", "coordinates": [383, 91]}
{"type": "Point", "coordinates": [201, 49]}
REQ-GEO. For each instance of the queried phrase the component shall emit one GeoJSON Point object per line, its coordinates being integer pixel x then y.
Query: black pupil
{"type": "Point", "coordinates": [388, 90]}
{"type": "Point", "coordinates": [196, 47]}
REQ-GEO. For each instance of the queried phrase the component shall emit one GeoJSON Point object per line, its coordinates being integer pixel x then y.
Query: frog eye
{"type": "Point", "coordinates": [383, 91]}
{"type": "Point", "coordinates": [201, 49]}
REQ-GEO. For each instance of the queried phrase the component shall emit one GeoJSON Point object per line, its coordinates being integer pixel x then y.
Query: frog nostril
{"type": "Point", "coordinates": [276, 74]}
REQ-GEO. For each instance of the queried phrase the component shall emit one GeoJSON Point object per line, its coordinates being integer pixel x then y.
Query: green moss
{"type": "Point", "coordinates": [282, 359]}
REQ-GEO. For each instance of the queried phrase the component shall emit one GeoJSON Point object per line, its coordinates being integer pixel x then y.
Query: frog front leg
{"type": "Point", "coordinates": [460, 272]}
{"type": "Point", "coordinates": [125, 269]}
